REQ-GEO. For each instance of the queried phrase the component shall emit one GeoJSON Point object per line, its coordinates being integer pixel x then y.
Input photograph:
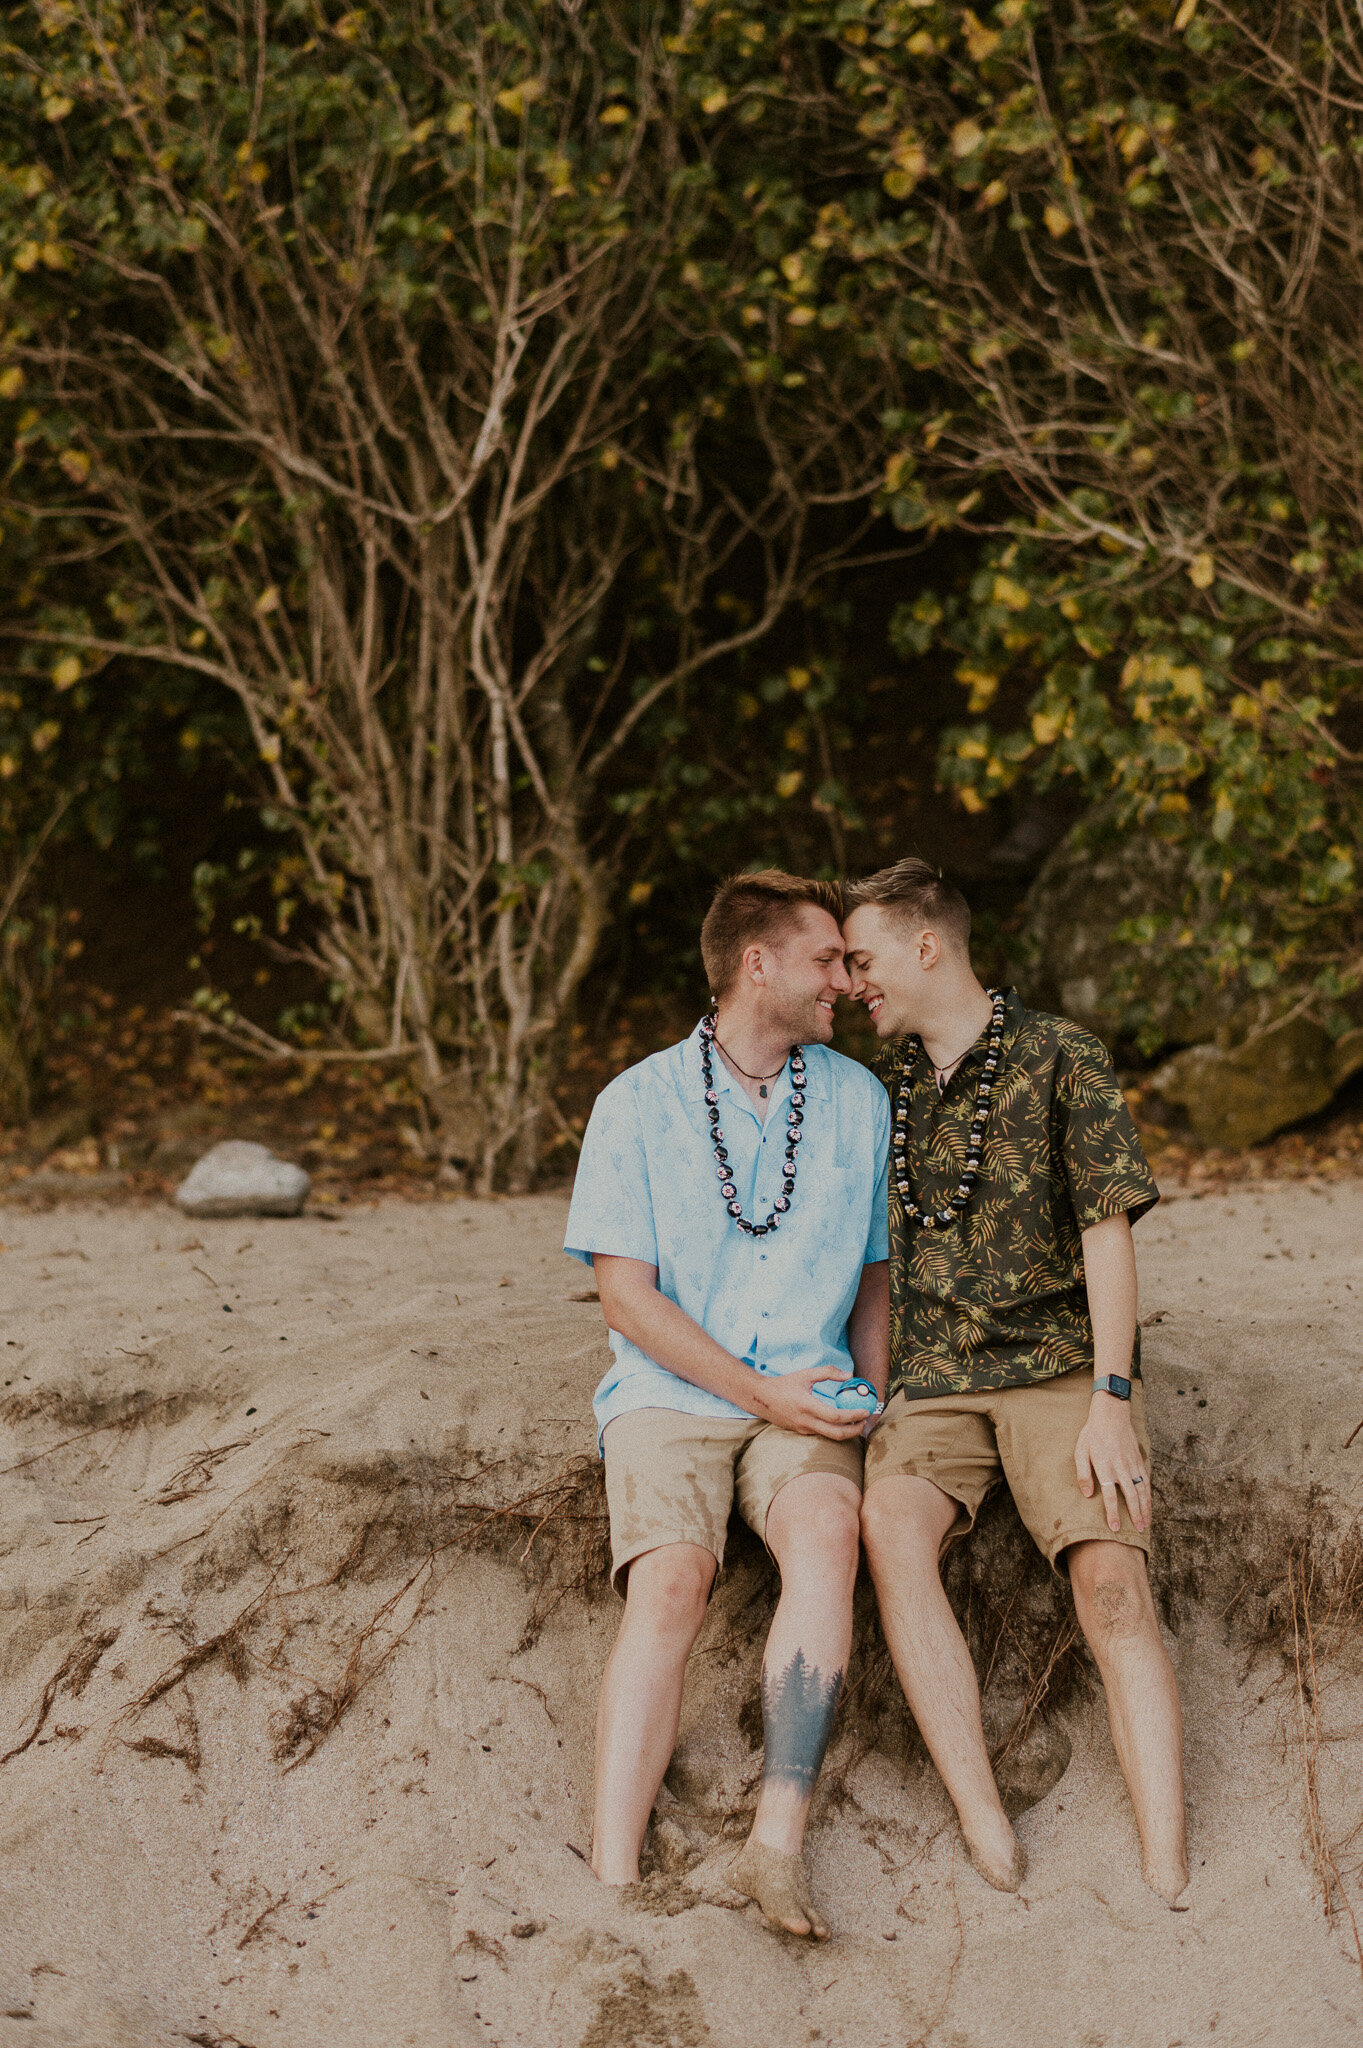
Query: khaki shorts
{"type": "Point", "coordinates": [967, 1443]}
{"type": "Point", "coordinates": [671, 1478]}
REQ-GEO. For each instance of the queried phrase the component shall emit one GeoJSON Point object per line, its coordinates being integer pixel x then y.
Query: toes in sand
{"type": "Point", "coordinates": [1004, 1872]}
{"type": "Point", "coordinates": [780, 1885]}
{"type": "Point", "coordinates": [1167, 1882]}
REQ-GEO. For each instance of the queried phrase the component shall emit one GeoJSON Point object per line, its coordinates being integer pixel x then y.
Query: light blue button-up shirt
{"type": "Point", "coordinates": [647, 1189]}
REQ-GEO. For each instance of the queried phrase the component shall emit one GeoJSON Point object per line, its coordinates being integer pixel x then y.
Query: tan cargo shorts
{"type": "Point", "coordinates": [968, 1443]}
{"type": "Point", "coordinates": [671, 1478]}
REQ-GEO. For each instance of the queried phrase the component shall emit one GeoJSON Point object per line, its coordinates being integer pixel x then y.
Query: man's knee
{"type": "Point", "coordinates": [905, 1514]}
{"type": "Point", "coordinates": [668, 1588]}
{"type": "Point", "coordinates": [823, 1541]}
{"type": "Point", "coordinates": [1111, 1592]}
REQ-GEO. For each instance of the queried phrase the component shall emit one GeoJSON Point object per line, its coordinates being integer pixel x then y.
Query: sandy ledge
{"type": "Point", "coordinates": [274, 1436]}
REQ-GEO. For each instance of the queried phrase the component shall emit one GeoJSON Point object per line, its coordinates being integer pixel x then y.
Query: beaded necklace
{"type": "Point", "coordinates": [795, 1117]}
{"type": "Point", "coordinates": [941, 1219]}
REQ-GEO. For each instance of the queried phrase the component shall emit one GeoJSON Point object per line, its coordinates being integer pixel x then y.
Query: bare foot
{"type": "Point", "coordinates": [780, 1886]}
{"type": "Point", "coordinates": [1168, 1881]}
{"type": "Point", "coordinates": [1002, 1864]}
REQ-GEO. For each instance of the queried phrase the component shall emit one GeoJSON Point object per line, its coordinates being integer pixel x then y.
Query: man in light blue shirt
{"type": "Point", "coordinates": [732, 1197]}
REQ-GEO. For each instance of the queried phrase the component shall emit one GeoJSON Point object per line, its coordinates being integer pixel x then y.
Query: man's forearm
{"type": "Point", "coordinates": [868, 1326]}
{"type": "Point", "coordinates": [1110, 1281]}
{"type": "Point", "coordinates": [671, 1338]}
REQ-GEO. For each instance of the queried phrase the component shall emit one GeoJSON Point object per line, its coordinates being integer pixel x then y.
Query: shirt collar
{"type": "Point", "coordinates": [1013, 1013]}
{"type": "Point", "coordinates": [817, 1067]}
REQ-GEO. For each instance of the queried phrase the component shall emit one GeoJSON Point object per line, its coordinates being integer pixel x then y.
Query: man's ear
{"type": "Point", "coordinates": [929, 951]}
{"type": "Point", "coordinates": [753, 965]}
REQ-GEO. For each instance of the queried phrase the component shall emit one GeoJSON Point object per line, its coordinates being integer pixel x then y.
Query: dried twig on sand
{"type": "Point", "coordinates": [74, 1674]}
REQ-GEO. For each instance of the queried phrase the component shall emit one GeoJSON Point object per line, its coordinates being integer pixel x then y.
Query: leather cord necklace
{"type": "Point", "coordinates": [763, 1078]}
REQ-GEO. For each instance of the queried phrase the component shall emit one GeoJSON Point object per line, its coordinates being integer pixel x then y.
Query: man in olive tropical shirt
{"type": "Point", "coordinates": [1016, 1174]}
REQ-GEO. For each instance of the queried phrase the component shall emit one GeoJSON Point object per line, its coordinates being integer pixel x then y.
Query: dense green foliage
{"type": "Point", "coordinates": [485, 423]}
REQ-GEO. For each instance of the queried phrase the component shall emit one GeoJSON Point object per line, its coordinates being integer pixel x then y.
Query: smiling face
{"type": "Point", "coordinates": [889, 964]}
{"type": "Point", "coordinates": [801, 976]}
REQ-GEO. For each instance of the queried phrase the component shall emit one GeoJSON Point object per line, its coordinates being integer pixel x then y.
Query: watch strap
{"type": "Point", "coordinates": [1113, 1383]}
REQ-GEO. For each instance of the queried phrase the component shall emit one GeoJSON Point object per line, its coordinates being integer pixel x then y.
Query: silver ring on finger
{"type": "Point", "coordinates": [1139, 1479]}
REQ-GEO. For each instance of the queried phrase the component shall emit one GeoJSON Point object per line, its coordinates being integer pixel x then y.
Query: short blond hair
{"type": "Point", "coordinates": [917, 895]}
{"type": "Point", "coordinates": [757, 909]}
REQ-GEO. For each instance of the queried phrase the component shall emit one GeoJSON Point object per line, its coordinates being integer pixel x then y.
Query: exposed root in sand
{"type": "Point", "coordinates": [1307, 1627]}
{"type": "Point", "coordinates": [73, 1674]}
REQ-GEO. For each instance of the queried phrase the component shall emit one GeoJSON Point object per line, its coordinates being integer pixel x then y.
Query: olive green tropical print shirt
{"type": "Point", "coordinates": [998, 1299]}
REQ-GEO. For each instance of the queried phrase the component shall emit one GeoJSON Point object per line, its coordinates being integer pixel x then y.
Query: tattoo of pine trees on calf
{"type": "Point", "coordinates": [798, 1706]}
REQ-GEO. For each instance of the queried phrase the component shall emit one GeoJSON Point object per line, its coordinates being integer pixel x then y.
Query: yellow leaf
{"type": "Point", "coordinates": [979, 40]}
{"type": "Point", "coordinates": [459, 119]}
{"type": "Point", "coordinates": [615, 116]}
{"type": "Point", "coordinates": [269, 748]}
{"type": "Point", "coordinates": [800, 316]}
{"type": "Point", "coordinates": [48, 731]}
{"type": "Point", "coordinates": [909, 155]}
{"type": "Point", "coordinates": [75, 463]}
{"type": "Point", "coordinates": [1201, 572]}
{"type": "Point", "coordinates": [639, 892]}
{"type": "Point", "coordinates": [8, 766]}
{"type": "Point", "coordinates": [966, 137]}
{"type": "Point", "coordinates": [994, 193]}
{"type": "Point", "coordinates": [67, 672]}
{"type": "Point", "coordinates": [1174, 801]}
{"type": "Point", "coordinates": [1187, 9]}
{"type": "Point", "coordinates": [899, 184]}
{"type": "Point", "coordinates": [793, 267]}
{"type": "Point", "coordinates": [1071, 608]}
{"type": "Point", "coordinates": [983, 686]}
{"type": "Point", "coordinates": [1045, 728]}
{"type": "Point", "coordinates": [798, 679]}
{"type": "Point", "coordinates": [787, 784]}
{"type": "Point", "coordinates": [897, 469]}
{"type": "Point", "coordinates": [11, 381]}
{"type": "Point", "coordinates": [1245, 708]}
{"type": "Point", "coordinates": [1058, 222]}
{"type": "Point", "coordinates": [1012, 594]}
{"type": "Point", "coordinates": [921, 44]}
{"type": "Point", "coordinates": [57, 106]}
{"type": "Point", "coordinates": [350, 25]}
{"type": "Point", "coordinates": [715, 102]}
{"type": "Point", "coordinates": [268, 601]}
{"type": "Point", "coordinates": [53, 255]}
{"type": "Point", "coordinates": [971, 799]}
{"type": "Point", "coordinates": [1132, 141]}
{"type": "Point", "coordinates": [1263, 162]}
{"type": "Point", "coordinates": [971, 750]}
{"type": "Point", "coordinates": [27, 255]}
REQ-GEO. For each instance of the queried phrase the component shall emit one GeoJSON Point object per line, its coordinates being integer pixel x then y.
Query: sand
{"type": "Point", "coordinates": [270, 1419]}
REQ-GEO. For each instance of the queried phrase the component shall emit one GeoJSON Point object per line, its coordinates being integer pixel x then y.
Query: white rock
{"type": "Point", "coordinates": [241, 1179]}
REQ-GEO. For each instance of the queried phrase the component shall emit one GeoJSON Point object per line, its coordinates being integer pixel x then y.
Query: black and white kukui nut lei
{"type": "Point", "coordinates": [795, 1117]}
{"type": "Point", "coordinates": [941, 1219]}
